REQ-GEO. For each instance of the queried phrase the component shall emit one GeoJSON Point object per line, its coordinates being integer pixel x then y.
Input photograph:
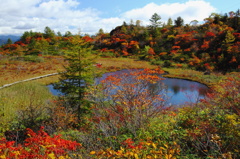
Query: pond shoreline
{"type": "Point", "coordinates": [187, 79]}
{"type": "Point", "coordinates": [196, 76]}
{"type": "Point", "coordinates": [174, 91]}
{"type": "Point", "coordinates": [175, 76]}
{"type": "Point", "coordinates": [165, 75]}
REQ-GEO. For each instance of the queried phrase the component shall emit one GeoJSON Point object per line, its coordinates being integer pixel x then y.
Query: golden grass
{"type": "Point", "coordinates": [12, 71]}
{"type": "Point", "coordinates": [108, 65]}
{"type": "Point", "coordinates": [209, 80]}
{"type": "Point", "coordinates": [48, 80]}
{"type": "Point", "coordinates": [113, 64]}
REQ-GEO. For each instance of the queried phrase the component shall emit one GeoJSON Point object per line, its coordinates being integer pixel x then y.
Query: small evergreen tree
{"type": "Point", "coordinates": [155, 20]}
{"type": "Point", "coordinates": [179, 22]}
{"type": "Point", "coordinates": [48, 33]}
{"type": "Point", "coordinates": [169, 22]}
{"type": "Point", "coordinates": [79, 75]}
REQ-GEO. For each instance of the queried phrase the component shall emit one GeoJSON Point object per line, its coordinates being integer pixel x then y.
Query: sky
{"type": "Point", "coordinates": [88, 16]}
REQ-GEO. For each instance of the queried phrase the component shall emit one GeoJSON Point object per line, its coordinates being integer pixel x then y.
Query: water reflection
{"type": "Point", "coordinates": [182, 91]}
{"type": "Point", "coordinates": [177, 91]}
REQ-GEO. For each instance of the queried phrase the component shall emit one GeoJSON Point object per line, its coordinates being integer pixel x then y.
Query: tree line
{"type": "Point", "coordinates": [211, 46]}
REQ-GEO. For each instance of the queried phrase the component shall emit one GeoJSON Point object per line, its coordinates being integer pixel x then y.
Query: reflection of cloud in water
{"type": "Point", "coordinates": [177, 85]}
{"type": "Point", "coordinates": [179, 91]}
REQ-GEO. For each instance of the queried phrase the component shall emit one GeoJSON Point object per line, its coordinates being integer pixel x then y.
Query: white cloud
{"type": "Point", "coordinates": [17, 16]}
{"type": "Point", "coordinates": [191, 10]}
{"type": "Point", "coordinates": [61, 15]}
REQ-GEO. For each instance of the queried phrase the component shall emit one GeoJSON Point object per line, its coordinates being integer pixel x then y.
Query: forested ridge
{"type": "Point", "coordinates": [123, 116]}
{"type": "Point", "coordinates": [213, 45]}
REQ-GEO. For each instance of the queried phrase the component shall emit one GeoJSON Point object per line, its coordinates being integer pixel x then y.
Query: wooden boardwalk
{"type": "Point", "coordinates": [30, 79]}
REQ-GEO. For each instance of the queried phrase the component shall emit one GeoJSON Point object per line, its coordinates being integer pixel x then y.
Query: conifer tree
{"type": "Point", "coordinates": [155, 20]}
{"type": "Point", "coordinates": [48, 33]}
{"type": "Point", "coordinates": [79, 75]}
{"type": "Point", "coordinates": [179, 22]}
{"type": "Point", "coordinates": [155, 24]}
{"type": "Point", "coordinates": [169, 22]}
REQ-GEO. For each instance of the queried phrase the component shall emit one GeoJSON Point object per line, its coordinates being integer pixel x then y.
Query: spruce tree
{"type": "Point", "coordinates": [155, 21]}
{"type": "Point", "coordinates": [78, 75]}
{"type": "Point", "coordinates": [179, 22]}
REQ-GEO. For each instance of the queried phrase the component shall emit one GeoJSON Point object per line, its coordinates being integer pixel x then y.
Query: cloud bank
{"type": "Point", "coordinates": [191, 10]}
{"type": "Point", "coordinates": [18, 16]}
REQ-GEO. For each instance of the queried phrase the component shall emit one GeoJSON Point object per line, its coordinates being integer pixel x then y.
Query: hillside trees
{"type": "Point", "coordinates": [37, 43]}
{"type": "Point", "coordinates": [234, 19]}
{"type": "Point", "coordinates": [202, 47]}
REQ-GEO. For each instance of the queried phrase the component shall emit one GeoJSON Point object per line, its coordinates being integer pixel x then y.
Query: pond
{"type": "Point", "coordinates": [177, 91]}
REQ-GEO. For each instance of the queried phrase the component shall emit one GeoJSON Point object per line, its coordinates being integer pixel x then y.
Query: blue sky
{"type": "Point", "coordinates": [88, 16]}
{"type": "Point", "coordinates": [116, 7]}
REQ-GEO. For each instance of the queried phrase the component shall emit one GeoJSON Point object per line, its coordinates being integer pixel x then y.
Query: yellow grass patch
{"type": "Point", "coordinates": [12, 71]}
{"type": "Point", "coordinates": [112, 64]}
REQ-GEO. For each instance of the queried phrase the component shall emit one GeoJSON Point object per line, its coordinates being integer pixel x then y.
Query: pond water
{"type": "Point", "coordinates": [177, 91]}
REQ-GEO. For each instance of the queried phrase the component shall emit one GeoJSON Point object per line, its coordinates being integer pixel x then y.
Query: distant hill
{"type": "Point", "coordinates": [4, 38]}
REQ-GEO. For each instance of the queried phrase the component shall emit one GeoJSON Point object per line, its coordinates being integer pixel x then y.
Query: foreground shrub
{"type": "Point", "coordinates": [24, 105]}
{"type": "Point", "coordinates": [38, 145]}
{"type": "Point", "coordinates": [122, 107]}
{"type": "Point", "coordinates": [212, 128]}
{"type": "Point", "coordinates": [144, 149]}
{"type": "Point", "coordinates": [127, 102]}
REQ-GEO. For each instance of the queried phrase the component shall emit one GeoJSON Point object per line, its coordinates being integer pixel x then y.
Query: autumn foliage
{"type": "Point", "coordinates": [126, 115]}
{"type": "Point", "coordinates": [129, 123]}
{"type": "Point", "coordinates": [38, 145]}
